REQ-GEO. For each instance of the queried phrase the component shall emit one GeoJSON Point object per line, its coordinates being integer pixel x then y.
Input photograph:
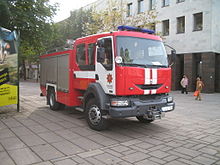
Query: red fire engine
{"type": "Point", "coordinates": [119, 74]}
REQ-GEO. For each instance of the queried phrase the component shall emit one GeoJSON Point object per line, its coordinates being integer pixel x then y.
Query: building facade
{"type": "Point", "coordinates": [192, 27]}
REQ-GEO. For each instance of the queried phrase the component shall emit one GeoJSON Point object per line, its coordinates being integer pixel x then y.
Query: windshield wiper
{"type": "Point", "coordinates": [163, 66]}
{"type": "Point", "coordinates": [145, 65]}
{"type": "Point", "coordinates": [133, 64]}
{"type": "Point", "coordinates": [156, 66]}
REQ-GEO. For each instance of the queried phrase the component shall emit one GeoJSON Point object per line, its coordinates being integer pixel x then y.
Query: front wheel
{"type": "Point", "coordinates": [94, 117]}
{"type": "Point", "coordinates": [143, 119]}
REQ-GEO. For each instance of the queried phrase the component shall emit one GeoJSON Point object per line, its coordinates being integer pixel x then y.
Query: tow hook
{"type": "Point", "coordinates": [154, 114]}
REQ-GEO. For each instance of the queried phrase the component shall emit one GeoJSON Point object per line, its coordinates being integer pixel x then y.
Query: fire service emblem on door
{"type": "Point", "coordinates": [109, 78]}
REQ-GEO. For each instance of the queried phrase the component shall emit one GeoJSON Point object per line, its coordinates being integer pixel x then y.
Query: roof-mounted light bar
{"type": "Point", "coordinates": [137, 29]}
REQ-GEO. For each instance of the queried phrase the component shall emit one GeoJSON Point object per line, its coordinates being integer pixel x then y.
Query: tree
{"type": "Point", "coordinates": [115, 15]}
{"type": "Point", "coordinates": [4, 13]}
{"type": "Point", "coordinates": [86, 22]}
{"type": "Point", "coordinates": [105, 20]}
{"type": "Point", "coordinates": [72, 27]}
{"type": "Point", "coordinates": [33, 20]}
{"type": "Point", "coordinates": [145, 19]}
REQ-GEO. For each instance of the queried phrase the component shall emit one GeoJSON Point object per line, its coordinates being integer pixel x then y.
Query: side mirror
{"type": "Point", "coordinates": [172, 55]}
{"type": "Point", "coordinates": [173, 52]}
{"type": "Point", "coordinates": [100, 54]}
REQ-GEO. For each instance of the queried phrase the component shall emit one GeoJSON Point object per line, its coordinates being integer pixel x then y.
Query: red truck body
{"type": "Point", "coordinates": [79, 75]}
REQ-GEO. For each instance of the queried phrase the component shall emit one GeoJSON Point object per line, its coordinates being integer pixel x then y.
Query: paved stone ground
{"type": "Point", "coordinates": [37, 135]}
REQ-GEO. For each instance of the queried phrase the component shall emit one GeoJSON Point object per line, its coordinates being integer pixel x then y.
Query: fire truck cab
{"type": "Point", "coordinates": [118, 74]}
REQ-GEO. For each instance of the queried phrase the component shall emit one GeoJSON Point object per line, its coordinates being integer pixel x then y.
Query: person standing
{"type": "Point", "coordinates": [199, 86]}
{"type": "Point", "coordinates": [184, 84]}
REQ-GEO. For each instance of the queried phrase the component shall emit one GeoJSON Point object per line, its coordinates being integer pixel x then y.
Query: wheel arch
{"type": "Point", "coordinates": [95, 91]}
{"type": "Point", "coordinates": [49, 86]}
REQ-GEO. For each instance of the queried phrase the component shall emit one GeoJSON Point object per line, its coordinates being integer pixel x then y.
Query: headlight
{"type": "Point", "coordinates": [119, 103]}
{"type": "Point", "coordinates": [169, 99]}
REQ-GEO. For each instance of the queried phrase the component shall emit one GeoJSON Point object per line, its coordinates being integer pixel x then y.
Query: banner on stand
{"type": "Point", "coordinates": [9, 81]}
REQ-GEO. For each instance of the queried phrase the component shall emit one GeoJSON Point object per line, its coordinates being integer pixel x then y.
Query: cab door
{"type": "Point", "coordinates": [105, 66]}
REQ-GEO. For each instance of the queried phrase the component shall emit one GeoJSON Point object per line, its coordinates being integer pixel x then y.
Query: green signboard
{"type": "Point", "coordinates": [8, 67]}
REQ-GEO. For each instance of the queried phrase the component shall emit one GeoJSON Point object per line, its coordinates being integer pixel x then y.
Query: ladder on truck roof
{"type": "Point", "coordinates": [68, 46]}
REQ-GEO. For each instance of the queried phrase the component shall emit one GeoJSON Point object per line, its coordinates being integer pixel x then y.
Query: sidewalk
{"type": "Point", "coordinates": [37, 135]}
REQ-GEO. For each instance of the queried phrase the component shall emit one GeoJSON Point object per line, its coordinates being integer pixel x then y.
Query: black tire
{"type": "Point", "coordinates": [94, 117]}
{"type": "Point", "coordinates": [142, 119]}
{"type": "Point", "coordinates": [54, 105]}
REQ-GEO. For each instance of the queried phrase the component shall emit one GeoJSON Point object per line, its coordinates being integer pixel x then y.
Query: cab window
{"type": "Point", "coordinates": [91, 56]}
{"type": "Point", "coordinates": [107, 62]}
{"type": "Point", "coordinates": [80, 54]}
{"type": "Point", "coordinates": [85, 56]}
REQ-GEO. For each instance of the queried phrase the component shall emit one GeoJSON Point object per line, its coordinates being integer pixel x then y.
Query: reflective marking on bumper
{"type": "Point", "coordinates": [146, 92]}
{"type": "Point", "coordinates": [154, 91]}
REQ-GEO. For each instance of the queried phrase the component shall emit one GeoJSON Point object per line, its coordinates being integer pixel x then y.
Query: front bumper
{"type": "Point", "coordinates": [140, 108]}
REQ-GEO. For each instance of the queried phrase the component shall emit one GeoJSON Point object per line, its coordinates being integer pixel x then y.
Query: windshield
{"type": "Point", "coordinates": [141, 52]}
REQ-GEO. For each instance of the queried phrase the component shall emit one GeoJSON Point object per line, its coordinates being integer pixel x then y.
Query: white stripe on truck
{"type": "Point", "coordinates": [84, 74]}
{"type": "Point", "coordinates": [147, 76]}
{"type": "Point", "coordinates": [150, 77]}
{"type": "Point", "coordinates": [154, 76]}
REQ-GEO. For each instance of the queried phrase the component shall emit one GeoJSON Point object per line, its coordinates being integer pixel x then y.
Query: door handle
{"type": "Point", "coordinates": [96, 77]}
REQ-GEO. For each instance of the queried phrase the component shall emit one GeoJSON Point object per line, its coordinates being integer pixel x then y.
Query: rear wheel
{"type": "Point", "coordinates": [94, 116]}
{"type": "Point", "coordinates": [54, 105]}
{"type": "Point", "coordinates": [143, 119]}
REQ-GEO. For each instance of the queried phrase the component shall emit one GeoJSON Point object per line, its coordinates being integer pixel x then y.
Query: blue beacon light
{"type": "Point", "coordinates": [137, 29]}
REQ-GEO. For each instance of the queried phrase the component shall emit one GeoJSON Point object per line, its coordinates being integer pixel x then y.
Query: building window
{"type": "Point", "coordinates": [181, 24]}
{"type": "Point", "coordinates": [165, 3]}
{"type": "Point", "coordinates": [140, 6]}
{"type": "Point", "coordinates": [129, 9]}
{"type": "Point", "coordinates": [165, 27]}
{"type": "Point", "coordinates": [152, 4]}
{"type": "Point", "coordinates": [178, 1]}
{"type": "Point", "coordinates": [197, 21]}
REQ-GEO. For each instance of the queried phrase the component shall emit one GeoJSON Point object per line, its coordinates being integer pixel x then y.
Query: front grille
{"type": "Point", "coordinates": [150, 97]}
{"type": "Point", "coordinates": [149, 87]}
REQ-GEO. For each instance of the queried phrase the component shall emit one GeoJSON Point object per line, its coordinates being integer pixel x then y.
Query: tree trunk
{"type": "Point", "coordinates": [24, 69]}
